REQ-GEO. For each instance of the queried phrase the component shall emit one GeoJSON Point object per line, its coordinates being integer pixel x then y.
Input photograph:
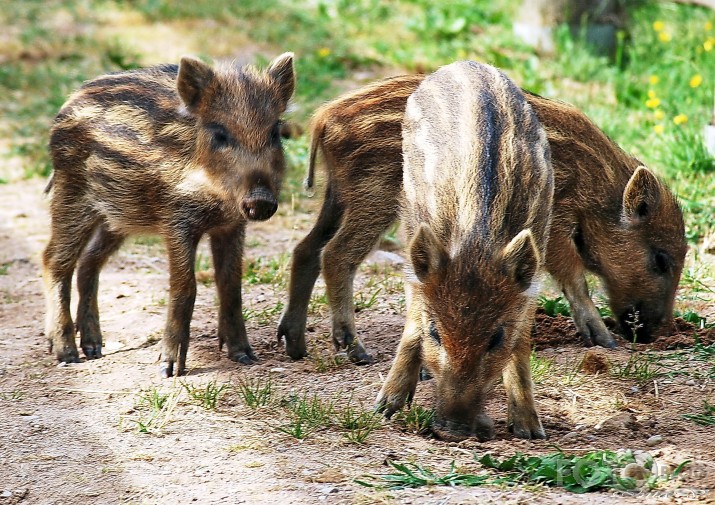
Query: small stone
{"type": "Point", "coordinates": [635, 471]}
{"type": "Point", "coordinates": [691, 382]}
{"type": "Point", "coordinates": [619, 422]}
{"type": "Point", "coordinates": [570, 435]}
{"type": "Point", "coordinates": [279, 370]}
{"type": "Point", "coordinates": [6, 494]}
{"type": "Point", "coordinates": [654, 440]}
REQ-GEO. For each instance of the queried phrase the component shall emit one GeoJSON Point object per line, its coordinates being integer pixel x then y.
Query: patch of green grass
{"type": "Point", "coordinates": [363, 301]}
{"type": "Point", "coordinates": [327, 362]}
{"type": "Point", "coordinates": [358, 423]}
{"type": "Point", "coordinates": [255, 392]}
{"type": "Point", "coordinates": [411, 475]}
{"type": "Point", "coordinates": [206, 396]}
{"type": "Point", "coordinates": [153, 409]}
{"type": "Point", "coordinates": [706, 417]}
{"type": "Point", "coordinates": [643, 367]}
{"type": "Point", "coordinates": [415, 419]}
{"type": "Point", "coordinates": [263, 316]}
{"type": "Point", "coordinates": [693, 317]}
{"type": "Point", "coordinates": [267, 271]}
{"type": "Point", "coordinates": [4, 267]}
{"type": "Point", "coordinates": [541, 368]}
{"type": "Point", "coordinates": [592, 471]}
{"type": "Point", "coordinates": [307, 415]}
{"type": "Point", "coordinates": [554, 306]}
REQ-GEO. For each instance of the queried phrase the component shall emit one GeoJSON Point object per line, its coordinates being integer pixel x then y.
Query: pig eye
{"type": "Point", "coordinates": [219, 137]}
{"type": "Point", "coordinates": [496, 340]}
{"type": "Point", "coordinates": [661, 263]}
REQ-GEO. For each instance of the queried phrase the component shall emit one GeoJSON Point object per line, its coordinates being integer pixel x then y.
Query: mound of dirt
{"type": "Point", "coordinates": [559, 331]}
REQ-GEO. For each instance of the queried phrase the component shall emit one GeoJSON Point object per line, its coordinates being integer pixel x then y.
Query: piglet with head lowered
{"type": "Point", "coordinates": [180, 151]}
{"type": "Point", "coordinates": [478, 197]}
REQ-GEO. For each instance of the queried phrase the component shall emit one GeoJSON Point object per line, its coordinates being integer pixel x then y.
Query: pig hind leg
{"type": "Point", "coordinates": [305, 268]}
{"type": "Point", "coordinates": [358, 234]}
{"type": "Point", "coordinates": [72, 227]}
{"type": "Point", "coordinates": [102, 245]}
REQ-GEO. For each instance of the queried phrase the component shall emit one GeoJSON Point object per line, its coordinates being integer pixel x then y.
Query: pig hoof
{"type": "Point", "coordinates": [295, 340]}
{"type": "Point", "coordinates": [529, 432]}
{"type": "Point", "coordinates": [166, 370]}
{"type": "Point", "coordinates": [606, 342]}
{"type": "Point", "coordinates": [92, 351]}
{"type": "Point", "coordinates": [360, 357]}
{"type": "Point", "coordinates": [68, 356]}
{"type": "Point", "coordinates": [245, 358]}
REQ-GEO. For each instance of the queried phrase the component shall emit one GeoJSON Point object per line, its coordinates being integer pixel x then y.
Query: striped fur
{"type": "Point", "coordinates": [175, 150]}
{"type": "Point", "coordinates": [359, 137]}
{"type": "Point", "coordinates": [479, 188]}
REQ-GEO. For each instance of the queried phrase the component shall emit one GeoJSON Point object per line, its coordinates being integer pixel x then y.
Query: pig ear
{"type": "Point", "coordinates": [641, 196]}
{"type": "Point", "coordinates": [521, 259]}
{"type": "Point", "coordinates": [194, 76]}
{"type": "Point", "coordinates": [428, 255]}
{"type": "Point", "coordinates": [282, 72]}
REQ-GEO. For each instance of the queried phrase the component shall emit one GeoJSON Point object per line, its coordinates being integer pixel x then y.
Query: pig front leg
{"type": "Point", "coordinates": [399, 387]}
{"type": "Point", "coordinates": [521, 411]}
{"type": "Point", "coordinates": [182, 294]}
{"type": "Point", "coordinates": [585, 315]}
{"type": "Point", "coordinates": [227, 251]}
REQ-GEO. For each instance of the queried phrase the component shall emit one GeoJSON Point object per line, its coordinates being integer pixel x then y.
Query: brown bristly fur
{"type": "Point", "coordinates": [478, 190]}
{"type": "Point", "coordinates": [175, 150]}
{"type": "Point", "coordinates": [639, 258]}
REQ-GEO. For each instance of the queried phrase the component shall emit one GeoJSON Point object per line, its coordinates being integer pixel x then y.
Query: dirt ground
{"type": "Point", "coordinates": [70, 434]}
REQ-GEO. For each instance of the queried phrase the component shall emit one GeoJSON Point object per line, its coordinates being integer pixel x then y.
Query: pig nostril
{"type": "Point", "coordinates": [257, 209]}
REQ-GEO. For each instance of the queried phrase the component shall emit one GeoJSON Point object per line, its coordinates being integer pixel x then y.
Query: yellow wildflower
{"type": "Point", "coordinates": [659, 128]}
{"type": "Point", "coordinates": [664, 37]}
{"type": "Point", "coordinates": [653, 80]}
{"type": "Point", "coordinates": [708, 26]}
{"type": "Point", "coordinates": [708, 45]}
{"type": "Point", "coordinates": [658, 26]}
{"type": "Point", "coordinates": [680, 119]}
{"type": "Point", "coordinates": [658, 114]}
{"type": "Point", "coordinates": [323, 52]}
{"type": "Point", "coordinates": [696, 81]}
{"type": "Point", "coordinates": [652, 103]}
{"type": "Point", "coordinates": [651, 93]}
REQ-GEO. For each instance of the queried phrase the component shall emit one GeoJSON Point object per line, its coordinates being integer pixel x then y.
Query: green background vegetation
{"type": "Point", "coordinates": [50, 47]}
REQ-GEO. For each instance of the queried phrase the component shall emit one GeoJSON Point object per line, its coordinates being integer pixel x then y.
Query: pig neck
{"type": "Point", "coordinates": [594, 203]}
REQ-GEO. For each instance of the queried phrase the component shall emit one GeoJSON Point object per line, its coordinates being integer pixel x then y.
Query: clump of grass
{"type": "Point", "coordinates": [593, 471]}
{"type": "Point", "coordinates": [706, 417]}
{"type": "Point", "coordinates": [643, 367]}
{"type": "Point", "coordinates": [256, 392]}
{"type": "Point", "coordinates": [693, 318]}
{"type": "Point", "coordinates": [307, 415]}
{"type": "Point", "coordinates": [327, 363]}
{"type": "Point", "coordinates": [206, 396]}
{"type": "Point", "coordinates": [358, 422]}
{"type": "Point", "coordinates": [411, 475]}
{"type": "Point", "coordinates": [154, 408]}
{"type": "Point", "coordinates": [554, 306]}
{"type": "Point", "coordinates": [267, 271]}
{"type": "Point", "coordinates": [541, 368]}
{"type": "Point", "coordinates": [263, 316]}
{"type": "Point", "coordinates": [4, 267]}
{"type": "Point", "coordinates": [415, 419]}
{"type": "Point", "coordinates": [363, 301]}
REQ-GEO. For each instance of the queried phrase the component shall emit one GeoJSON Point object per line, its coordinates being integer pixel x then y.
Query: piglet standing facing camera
{"type": "Point", "coordinates": [180, 151]}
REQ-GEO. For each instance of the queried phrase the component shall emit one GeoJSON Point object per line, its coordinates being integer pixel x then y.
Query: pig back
{"type": "Point", "coordinates": [476, 159]}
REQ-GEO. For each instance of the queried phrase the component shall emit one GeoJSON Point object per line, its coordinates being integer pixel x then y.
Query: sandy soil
{"type": "Point", "coordinates": [71, 434]}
